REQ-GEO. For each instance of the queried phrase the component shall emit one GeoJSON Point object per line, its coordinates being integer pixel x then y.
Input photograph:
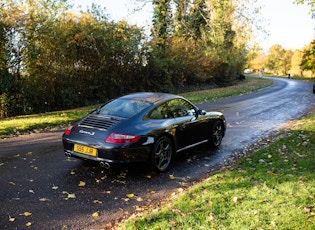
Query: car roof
{"type": "Point", "coordinates": [151, 97]}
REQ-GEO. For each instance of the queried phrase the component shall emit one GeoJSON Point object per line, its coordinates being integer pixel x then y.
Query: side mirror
{"type": "Point", "coordinates": [202, 112]}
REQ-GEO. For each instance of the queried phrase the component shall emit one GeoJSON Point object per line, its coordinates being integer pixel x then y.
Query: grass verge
{"type": "Point", "coordinates": [60, 119]}
{"type": "Point", "coordinates": [273, 188]}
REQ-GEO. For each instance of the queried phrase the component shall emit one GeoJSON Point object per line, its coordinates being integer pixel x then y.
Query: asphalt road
{"type": "Point", "coordinates": [42, 189]}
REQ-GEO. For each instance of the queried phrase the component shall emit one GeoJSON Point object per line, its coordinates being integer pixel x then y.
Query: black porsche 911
{"type": "Point", "coordinates": [149, 127]}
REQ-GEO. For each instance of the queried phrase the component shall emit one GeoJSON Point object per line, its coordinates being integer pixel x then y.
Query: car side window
{"type": "Point", "coordinates": [181, 108]}
{"type": "Point", "coordinates": [161, 112]}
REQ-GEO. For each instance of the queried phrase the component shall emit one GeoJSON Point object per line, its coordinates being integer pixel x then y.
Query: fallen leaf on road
{"type": "Point", "coordinates": [28, 224]}
{"type": "Point", "coordinates": [11, 219]}
{"type": "Point", "coordinates": [71, 196]}
{"type": "Point", "coordinates": [95, 214]}
{"type": "Point", "coordinates": [26, 214]}
{"type": "Point", "coordinates": [97, 201]}
{"type": "Point", "coordinates": [81, 184]}
{"type": "Point", "coordinates": [131, 195]}
{"type": "Point", "coordinates": [54, 187]}
{"type": "Point", "coordinates": [11, 183]}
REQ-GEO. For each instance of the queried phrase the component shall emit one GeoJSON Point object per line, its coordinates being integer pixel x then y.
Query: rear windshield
{"type": "Point", "coordinates": [125, 108]}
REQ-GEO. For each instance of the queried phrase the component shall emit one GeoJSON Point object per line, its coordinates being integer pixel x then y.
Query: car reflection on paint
{"type": "Point", "coordinates": [148, 127]}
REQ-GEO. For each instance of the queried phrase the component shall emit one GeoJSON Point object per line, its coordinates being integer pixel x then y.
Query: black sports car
{"type": "Point", "coordinates": [150, 127]}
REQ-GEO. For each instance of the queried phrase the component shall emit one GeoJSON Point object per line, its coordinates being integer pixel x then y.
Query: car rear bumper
{"type": "Point", "coordinates": [111, 154]}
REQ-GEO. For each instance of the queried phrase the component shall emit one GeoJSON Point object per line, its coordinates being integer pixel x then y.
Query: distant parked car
{"type": "Point", "coordinates": [149, 127]}
{"type": "Point", "coordinates": [247, 71]}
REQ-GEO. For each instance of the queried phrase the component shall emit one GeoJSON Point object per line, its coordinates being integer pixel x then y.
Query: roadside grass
{"type": "Point", "coordinates": [60, 119]}
{"type": "Point", "coordinates": [273, 188]}
{"type": "Point", "coordinates": [39, 122]}
{"type": "Point", "coordinates": [248, 85]}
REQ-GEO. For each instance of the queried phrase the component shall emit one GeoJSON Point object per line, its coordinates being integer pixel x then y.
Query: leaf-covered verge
{"type": "Point", "coordinates": [60, 119]}
{"type": "Point", "coordinates": [272, 188]}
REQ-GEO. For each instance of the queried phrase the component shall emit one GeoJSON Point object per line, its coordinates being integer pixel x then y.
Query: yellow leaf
{"type": "Point", "coordinates": [28, 224]}
{"type": "Point", "coordinates": [149, 176]}
{"type": "Point", "coordinates": [81, 184]}
{"type": "Point", "coordinates": [131, 195]}
{"type": "Point", "coordinates": [97, 201]}
{"type": "Point", "coordinates": [95, 214]}
{"type": "Point", "coordinates": [72, 172]}
{"type": "Point", "coordinates": [29, 153]}
{"type": "Point", "coordinates": [43, 199]}
{"type": "Point", "coordinates": [11, 183]}
{"type": "Point", "coordinates": [31, 191]}
{"type": "Point", "coordinates": [26, 214]}
{"type": "Point", "coordinates": [139, 199]}
{"type": "Point", "coordinates": [172, 177]}
{"type": "Point", "coordinates": [71, 196]}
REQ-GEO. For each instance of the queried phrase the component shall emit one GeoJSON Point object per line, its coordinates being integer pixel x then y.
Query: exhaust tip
{"type": "Point", "coordinates": [104, 164]}
{"type": "Point", "coordinates": [68, 154]}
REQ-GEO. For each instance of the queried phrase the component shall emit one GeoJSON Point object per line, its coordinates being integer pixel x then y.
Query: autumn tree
{"type": "Point", "coordinates": [310, 3]}
{"type": "Point", "coordinates": [296, 61]}
{"type": "Point", "coordinates": [158, 61]}
{"type": "Point", "coordinates": [11, 58]}
{"type": "Point", "coordinates": [56, 59]}
{"type": "Point", "coordinates": [277, 59]}
{"type": "Point", "coordinates": [308, 60]}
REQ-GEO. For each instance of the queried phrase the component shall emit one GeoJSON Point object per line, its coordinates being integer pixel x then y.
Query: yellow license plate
{"type": "Point", "coordinates": [85, 150]}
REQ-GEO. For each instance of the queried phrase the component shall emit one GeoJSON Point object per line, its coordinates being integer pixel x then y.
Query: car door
{"type": "Point", "coordinates": [190, 130]}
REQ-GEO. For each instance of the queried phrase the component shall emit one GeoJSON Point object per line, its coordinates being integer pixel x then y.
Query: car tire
{"type": "Point", "coordinates": [216, 134]}
{"type": "Point", "coordinates": [162, 154]}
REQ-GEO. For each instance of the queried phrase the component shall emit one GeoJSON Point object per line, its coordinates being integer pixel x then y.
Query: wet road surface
{"type": "Point", "coordinates": [42, 189]}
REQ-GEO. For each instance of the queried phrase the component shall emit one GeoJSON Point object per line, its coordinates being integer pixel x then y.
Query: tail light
{"type": "Point", "coordinates": [68, 129]}
{"type": "Point", "coordinates": [118, 138]}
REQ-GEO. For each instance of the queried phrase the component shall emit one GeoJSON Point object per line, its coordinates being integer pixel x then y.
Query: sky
{"type": "Point", "coordinates": [288, 24]}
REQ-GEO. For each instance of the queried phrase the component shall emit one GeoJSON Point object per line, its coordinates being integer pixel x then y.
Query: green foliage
{"type": "Point", "coordinates": [279, 59]}
{"type": "Point", "coordinates": [310, 3]}
{"type": "Point", "coordinates": [308, 61]}
{"type": "Point", "coordinates": [52, 58]}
